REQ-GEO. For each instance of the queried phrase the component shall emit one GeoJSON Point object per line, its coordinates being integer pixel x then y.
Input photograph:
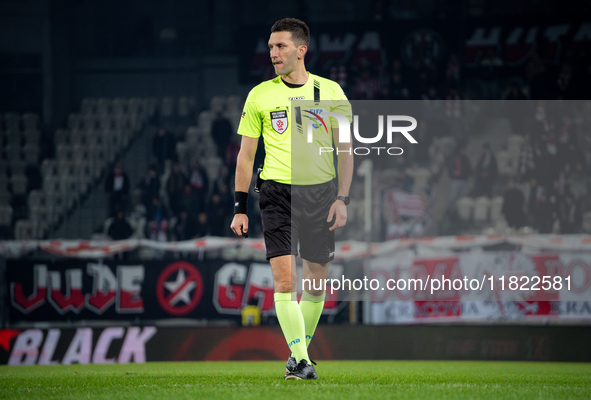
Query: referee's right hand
{"type": "Point", "coordinates": [239, 224]}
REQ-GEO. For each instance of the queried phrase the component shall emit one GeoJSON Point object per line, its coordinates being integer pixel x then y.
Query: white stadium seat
{"type": "Point", "coordinates": [481, 208]}
{"type": "Point", "coordinates": [464, 206]}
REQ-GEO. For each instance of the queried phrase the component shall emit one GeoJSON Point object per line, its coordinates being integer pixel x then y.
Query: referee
{"type": "Point", "coordinates": [305, 212]}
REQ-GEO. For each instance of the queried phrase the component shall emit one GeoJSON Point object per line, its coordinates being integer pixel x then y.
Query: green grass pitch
{"type": "Point", "coordinates": [264, 380]}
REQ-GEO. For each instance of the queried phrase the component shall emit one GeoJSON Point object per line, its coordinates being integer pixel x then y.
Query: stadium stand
{"type": "Point", "coordinates": [84, 149]}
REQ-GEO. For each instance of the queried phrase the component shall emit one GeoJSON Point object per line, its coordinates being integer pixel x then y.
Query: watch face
{"type": "Point", "coordinates": [344, 199]}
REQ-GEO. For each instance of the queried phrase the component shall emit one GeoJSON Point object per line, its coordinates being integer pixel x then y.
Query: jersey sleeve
{"type": "Point", "coordinates": [251, 123]}
{"type": "Point", "coordinates": [340, 103]}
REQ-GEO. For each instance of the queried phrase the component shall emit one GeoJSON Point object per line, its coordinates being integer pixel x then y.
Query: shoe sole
{"type": "Point", "coordinates": [297, 378]}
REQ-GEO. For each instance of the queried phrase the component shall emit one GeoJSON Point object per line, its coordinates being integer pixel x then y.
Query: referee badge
{"type": "Point", "coordinates": [279, 121]}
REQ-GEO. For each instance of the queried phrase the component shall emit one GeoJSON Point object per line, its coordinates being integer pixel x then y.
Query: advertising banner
{"type": "Point", "coordinates": [109, 345]}
{"type": "Point", "coordinates": [75, 289]}
{"type": "Point", "coordinates": [482, 286]}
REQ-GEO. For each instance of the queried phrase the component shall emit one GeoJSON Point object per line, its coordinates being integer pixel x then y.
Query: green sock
{"type": "Point", "coordinates": [292, 324]}
{"type": "Point", "coordinates": [311, 307]}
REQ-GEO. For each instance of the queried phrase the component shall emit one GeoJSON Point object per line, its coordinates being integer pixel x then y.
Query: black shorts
{"type": "Point", "coordinates": [297, 214]}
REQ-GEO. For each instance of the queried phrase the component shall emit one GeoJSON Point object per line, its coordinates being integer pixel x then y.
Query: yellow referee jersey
{"type": "Point", "coordinates": [267, 111]}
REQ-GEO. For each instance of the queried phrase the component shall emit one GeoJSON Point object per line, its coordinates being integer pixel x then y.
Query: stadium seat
{"type": "Point", "coordinates": [205, 119]}
{"type": "Point", "coordinates": [88, 122]}
{"type": "Point", "coordinates": [501, 225]}
{"type": "Point", "coordinates": [422, 177]}
{"type": "Point", "coordinates": [13, 152]}
{"type": "Point", "coordinates": [36, 198]}
{"type": "Point", "coordinates": [496, 207]}
{"type": "Point", "coordinates": [514, 143]}
{"type": "Point", "coordinates": [103, 106]}
{"type": "Point", "coordinates": [65, 168]}
{"type": "Point", "coordinates": [587, 222]}
{"type": "Point", "coordinates": [51, 184]}
{"type": "Point", "coordinates": [447, 145]}
{"type": "Point", "coordinates": [186, 106]}
{"type": "Point", "coordinates": [18, 167]}
{"type": "Point", "coordinates": [96, 138]}
{"type": "Point", "coordinates": [19, 184]}
{"type": "Point", "coordinates": [182, 151]}
{"type": "Point", "coordinates": [61, 136]}
{"type": "Point", "coordinates": [82, 137]}
{"type": "Point", "coordinates": [148, 106]}
{"type": "Point", "coordinates": [84, 171]}
{"type": "Point", "coordinates": [480, 211]}
{"type": "Point", "coordinates": [5, 215]}
{"type": "Point", "coordinates": [119, 106]}
{"type": "Point", "coordinates": [31, 153]}
{"type": "Point", "coordinates": [105, 122]}
{"type": "Point", "coordinates": [69, 192]}
{"type": "Point", "coordinates": [5, 198]}
{"type": "Point", "coordinates": [526, 230]}
{"type": "Point", "coordinates": [217, 104]}
{"type": "Point", "coordinates": [234, 103]}
{"type": "Point", "coordinates": [3, 183]}
{"type": "Point", "coordinates": [64, 152]}
{"type": "Point", "coordinates": [54, 201]}
{"type": "Point", "coordinates": [13, 137]}
{"type": "Point", "coordinates": [40, 218]}
{"type": "Point", "coordinates": [75, 122]}
{"type": "Point", "coordinates": [506, 163]}
{"type": "Point", "coordinates": [24, 230]}
{"type": "Point", "coordinates": [49, 167]}
{"type": "Point", "coordinates": [464, 207]}
{"type": "Point", "coordinates": [32, 137]}
{"type": "Point", "coordinates": [82, 154]}
{"type": "Point", "coordinates": [115, 139]}
{"type": "Point", "coordinates": [122, 122]}
{"type": "Point", "coordinates": [99, 156]}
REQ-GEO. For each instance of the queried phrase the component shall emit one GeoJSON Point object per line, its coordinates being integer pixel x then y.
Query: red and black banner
{"type": "Point", "coordinates": [87, 290]}
{"type": "Point", "coordinates": [70, 290]}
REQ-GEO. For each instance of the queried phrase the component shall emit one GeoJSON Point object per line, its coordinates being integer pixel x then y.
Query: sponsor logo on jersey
{"type": "Point", "coordinates": [315, 115]}
{"type": "Point", "coordinates": [297, 98]}
{"type": "Point", "coordinates": [279, 121]}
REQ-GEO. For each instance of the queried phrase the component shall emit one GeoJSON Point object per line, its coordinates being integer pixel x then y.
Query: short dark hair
{"type": "Point", "coordinates": [300, 33]}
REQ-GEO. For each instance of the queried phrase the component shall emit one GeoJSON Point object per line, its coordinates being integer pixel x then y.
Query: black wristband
{"type": "Point", "coordinates": [240, 201]}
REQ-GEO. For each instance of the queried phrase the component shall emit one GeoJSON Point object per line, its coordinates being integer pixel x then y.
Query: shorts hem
{"type": "Point", "coordinates": [280, 253]}
{"type": "Point", "coordinates": [318, 260]}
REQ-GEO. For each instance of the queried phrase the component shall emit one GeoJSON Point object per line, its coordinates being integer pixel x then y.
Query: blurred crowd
{"type": "Point", "coordinates": [178, 202]}
{"type": "Point", "coordinates": [549, 189]}
{"type": "Point", "coordinates": [548, 193]}
{"type": "Point", "coordinates": [490, 79]}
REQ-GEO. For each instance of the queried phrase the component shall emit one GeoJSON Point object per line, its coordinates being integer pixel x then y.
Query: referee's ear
{"type": "Point", "coordinates": [302, 50]}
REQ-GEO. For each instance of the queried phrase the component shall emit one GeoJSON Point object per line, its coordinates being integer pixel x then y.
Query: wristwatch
{"type": "Point", "coordinates": [344, 199]}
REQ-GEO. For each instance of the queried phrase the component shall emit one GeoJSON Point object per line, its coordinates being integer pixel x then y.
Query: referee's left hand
{"type": "Point", "coordinates": [338, 211]}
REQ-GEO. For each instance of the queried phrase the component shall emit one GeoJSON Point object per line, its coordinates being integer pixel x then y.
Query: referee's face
{"type": "Point", "coordinates": [283, 52]}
